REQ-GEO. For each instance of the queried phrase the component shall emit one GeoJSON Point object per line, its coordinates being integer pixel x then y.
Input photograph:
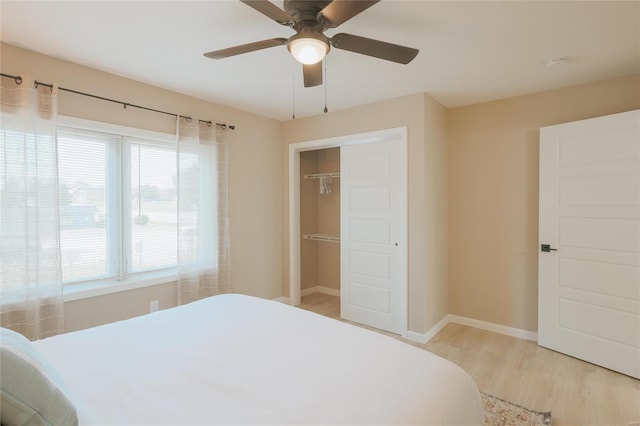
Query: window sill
{"type": "Point", "coordinates": [104, 287]}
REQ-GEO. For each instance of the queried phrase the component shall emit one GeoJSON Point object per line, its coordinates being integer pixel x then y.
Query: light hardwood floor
{"type": "Point", "coordinates": [517, 370]}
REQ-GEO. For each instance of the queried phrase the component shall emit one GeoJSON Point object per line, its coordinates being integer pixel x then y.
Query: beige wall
{"type": "Point", "coordinates": [94, 311]}
{"type": "Point", "coordinates": [427, 275]}
{"type": "Point", "coordinates": [493, 193]}
{"type": "Point", "coordinates": [435, 257]}
{"type": "Point", "coordinates": [254, 175]}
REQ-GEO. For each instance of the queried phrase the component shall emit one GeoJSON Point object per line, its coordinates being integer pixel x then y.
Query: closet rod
{"type": "Point", "coordinates": [322, 237]}
{"type": "Point", "coordinates": [319, 175]}
{"type": "Point", "coordinates": [37, 83]}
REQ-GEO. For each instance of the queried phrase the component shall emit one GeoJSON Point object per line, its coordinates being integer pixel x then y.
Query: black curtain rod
{"type": "Point", "coordinates": [37, 83]}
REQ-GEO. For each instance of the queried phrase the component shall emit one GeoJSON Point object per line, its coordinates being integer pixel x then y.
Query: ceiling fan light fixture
{"type": "Point", "coordinates": [308, 50]}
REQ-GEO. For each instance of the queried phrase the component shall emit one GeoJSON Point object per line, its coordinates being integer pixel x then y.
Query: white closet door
{"type": "Point", "coordinates": [589, 289]}
{"type": "Point", "coordinates": [373, 228]}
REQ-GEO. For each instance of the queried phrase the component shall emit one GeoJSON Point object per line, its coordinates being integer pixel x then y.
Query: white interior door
{"type": "Point", "coordinates": [589, 289]}
{"type": "Point", "coordinates": [373, 229]}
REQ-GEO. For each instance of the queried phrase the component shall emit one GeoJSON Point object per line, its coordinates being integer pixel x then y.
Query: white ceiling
{"type": "Point", "coordinates": [470, 52]}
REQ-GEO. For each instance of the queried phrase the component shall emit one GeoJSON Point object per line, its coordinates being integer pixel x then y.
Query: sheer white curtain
{"type": "Point", "coordinates": [203, 220]}
{"type": "Point", "coordinates": [30, 269]}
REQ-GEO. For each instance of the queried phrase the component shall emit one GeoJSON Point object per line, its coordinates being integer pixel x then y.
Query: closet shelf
{"type": "Point", "coordinates": [322, 237]}
{"type": "Point", "coordinates": [320, 175]}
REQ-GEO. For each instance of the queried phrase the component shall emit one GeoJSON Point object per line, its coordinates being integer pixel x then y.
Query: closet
{"type": "Point", "coordinates": [320, 221]}
{"type": "Point", "coordinates": [348, 225]}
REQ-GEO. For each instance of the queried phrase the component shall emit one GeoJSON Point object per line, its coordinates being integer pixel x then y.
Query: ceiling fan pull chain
{"type": "Point", "coordinates": [326, 81]}
{"type": "Point", "coordinates": [293, 94]}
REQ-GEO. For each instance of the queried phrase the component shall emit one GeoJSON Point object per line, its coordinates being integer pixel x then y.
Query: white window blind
{"type": "Point", "coordinates": [153, 207]}
{"type": "Point", "coordinates": [104, 178]}
{"type": "Point", "coordinates": [89, 204]}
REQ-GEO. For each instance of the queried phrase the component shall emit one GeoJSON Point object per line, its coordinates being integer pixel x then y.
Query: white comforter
{"type": "Point", "coordinates": [235, 359]}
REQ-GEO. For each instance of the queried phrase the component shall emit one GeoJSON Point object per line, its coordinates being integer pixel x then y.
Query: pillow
{"type": "Point", "coordinates": [31, 389]}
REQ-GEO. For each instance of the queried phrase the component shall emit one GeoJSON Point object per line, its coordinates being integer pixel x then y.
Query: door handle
{"type": "Point", "coordinates": [547, 248]}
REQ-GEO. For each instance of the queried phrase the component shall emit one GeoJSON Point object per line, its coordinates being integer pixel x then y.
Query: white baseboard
{"type": "Point", "coordinates": [310, 290]}
{"type": "Point", "coordinates": [436, 329]}
{"type": "Point", "coordinates": [320, 289]}
{"type": "Point", "coordinates": [414, 336]}
{"type": "Point", "coordinates": [450, 318]}
{"type": "Point", "coordinates": [496, 328]}
{"type": "Point", "coordinates": [470, 322]}
{"type": "Point", "coordinates": [425, 337]}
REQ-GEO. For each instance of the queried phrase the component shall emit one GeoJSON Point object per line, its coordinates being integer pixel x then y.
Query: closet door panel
{"type": "Point", "coordinates": [373, 234]}
{"type": "Point", "coordinates": [366, 230]}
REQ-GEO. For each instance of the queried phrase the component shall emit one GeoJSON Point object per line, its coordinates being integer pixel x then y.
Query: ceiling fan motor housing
{"type": "Point", "coordinates": [305, 12]}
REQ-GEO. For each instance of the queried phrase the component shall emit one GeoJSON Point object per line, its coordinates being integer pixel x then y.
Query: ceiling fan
{"type": "Point", "coordinates": [310, 19]}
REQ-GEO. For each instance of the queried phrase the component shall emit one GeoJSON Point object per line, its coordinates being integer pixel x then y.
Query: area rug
{"type": "Point", "coordinates": [498, 412]}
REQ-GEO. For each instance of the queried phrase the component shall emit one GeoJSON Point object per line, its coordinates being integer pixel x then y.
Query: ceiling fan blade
{"type": "Point", "coordinates": [270, 10]}
{"type": "Point", "coordinates": [245, 48]}
{"type": "Point", "coordinates": [312, 74]}
{"type": "Point", "coordinates": [340, 11]}
{"type": "Point", "coordinates": [375, 48]}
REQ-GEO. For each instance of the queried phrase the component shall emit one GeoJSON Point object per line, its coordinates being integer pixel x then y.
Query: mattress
{"type": "Point", "coordinates": [234, 359]}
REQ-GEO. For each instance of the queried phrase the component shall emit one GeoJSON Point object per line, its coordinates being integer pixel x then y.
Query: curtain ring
{"type": "Point", "coordinates": [209, 123]}
{"type": "Point", "coordinates": [37, 84]}
{"type": "Point", "coordinates": [189, 119]}
{"type": "Point", "coordinates": [18, 80]}
{"type": "Point", "coordinates": [222, 126]}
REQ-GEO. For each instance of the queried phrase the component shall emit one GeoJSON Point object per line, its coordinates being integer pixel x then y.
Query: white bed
{"type": "Point", "coordinates": [235, 359]}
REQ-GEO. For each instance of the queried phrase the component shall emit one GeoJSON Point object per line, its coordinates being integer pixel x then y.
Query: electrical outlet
{"type": "Point", "coordinates": [153, 306]}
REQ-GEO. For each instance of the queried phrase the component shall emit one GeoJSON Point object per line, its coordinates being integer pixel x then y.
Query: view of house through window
{"type": "Point", "coordinates": [104, 178]}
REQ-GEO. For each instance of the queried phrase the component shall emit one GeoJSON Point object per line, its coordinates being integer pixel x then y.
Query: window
{"type": "Point", "coordinates": [117, 204]}
{"type": "Point", "coordinates": [153, 207]}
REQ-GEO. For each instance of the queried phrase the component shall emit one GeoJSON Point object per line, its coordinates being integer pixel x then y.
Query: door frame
{"type": "Point", "coordinates": [295, 149]}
